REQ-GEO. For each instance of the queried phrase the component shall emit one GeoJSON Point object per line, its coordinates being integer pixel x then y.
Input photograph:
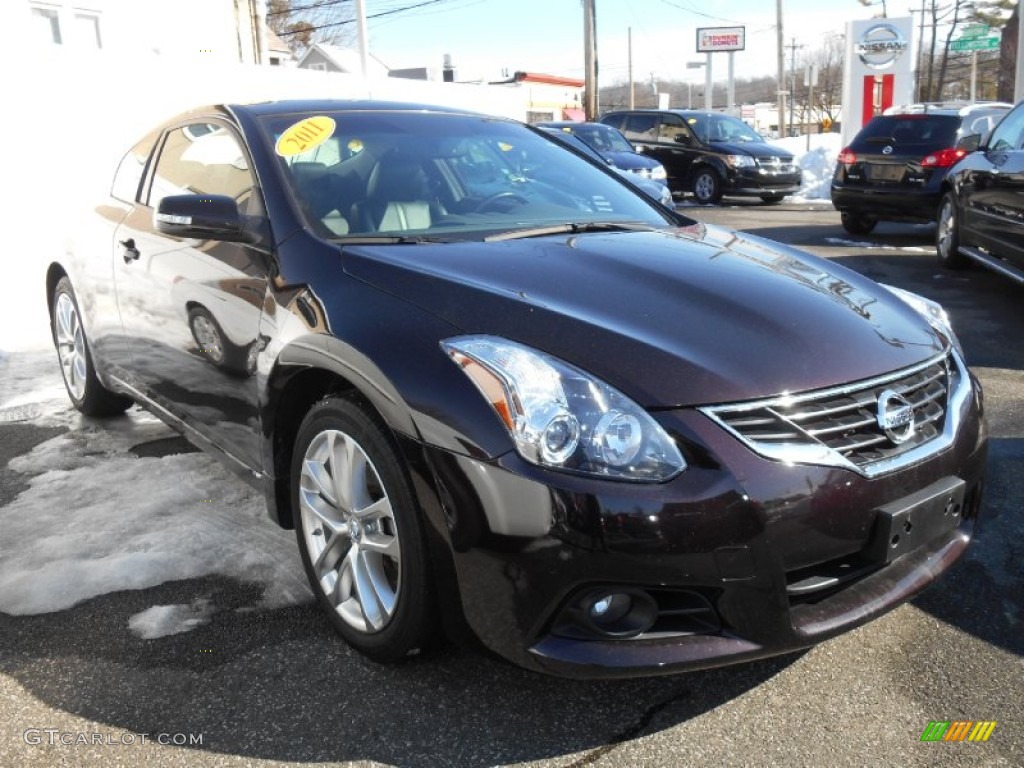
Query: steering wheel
{"type": "Point", "coordinates": [487, 202]}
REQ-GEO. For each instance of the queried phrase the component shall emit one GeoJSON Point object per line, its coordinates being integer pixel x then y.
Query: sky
{"type": "Point", "coordinates": [486, 36]}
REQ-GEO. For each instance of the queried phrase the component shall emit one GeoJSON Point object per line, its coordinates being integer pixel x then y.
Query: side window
{"type": "Point", "coordinates": [642, 127]}
{"type": "Point", "coordinates": [671, 126]}
{"type": "Point", "coordinates": [128, 178]}
{"type": "Point", "coordinates": [203, 159]}
{"type": "Point", "coordinates": [615, 121]}
{"type": "Point", "coordinates": [1007, 135]}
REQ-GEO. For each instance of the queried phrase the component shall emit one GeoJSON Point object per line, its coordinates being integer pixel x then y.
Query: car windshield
{"type": "Point", "coordinates": [415, 176]}
{"type": "Point", "coordinates": [722, 129]}
{"type": "Point", "coordinates": [602, 138]}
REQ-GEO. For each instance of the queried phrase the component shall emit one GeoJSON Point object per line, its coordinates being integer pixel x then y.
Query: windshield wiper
{"type": "Point", "coordinates": [572, 228]}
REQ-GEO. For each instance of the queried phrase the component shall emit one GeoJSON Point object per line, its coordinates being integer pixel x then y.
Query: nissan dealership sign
{"type": "Point", "coordinates": [712, 39]}
{"type": "Point", "coordinates": [880, 45]}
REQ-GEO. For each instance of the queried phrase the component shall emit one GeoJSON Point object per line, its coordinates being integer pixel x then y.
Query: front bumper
{"type": "Point", "coordinates": [755, 182]}
{"type": "Point", "coordinates": [735, 533]}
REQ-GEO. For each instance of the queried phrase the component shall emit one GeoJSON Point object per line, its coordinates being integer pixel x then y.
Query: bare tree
{"type": "Point", "coordinates": [300, 23]}
{"type": "Point", "coordinates": [828, 93]}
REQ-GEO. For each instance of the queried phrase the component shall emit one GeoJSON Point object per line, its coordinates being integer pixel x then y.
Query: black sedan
{"type": "Point", "coordinates": [981, 216]}
{"type": "Point", "coordinates": [613, 147]}
{"type": "Point", "coordinates": [492, 387]}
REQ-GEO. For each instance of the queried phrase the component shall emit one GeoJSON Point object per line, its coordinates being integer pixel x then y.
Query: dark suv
{"type": "Point", "coordinates": [894, 168]}
{"type": "Point", "coordinates": [710, 154]}
{"type": "Point", "coordinates": [981, 217]}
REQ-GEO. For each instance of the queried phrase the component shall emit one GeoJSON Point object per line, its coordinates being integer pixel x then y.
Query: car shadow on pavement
{"type": "Point", "coordinates": [278, 684]}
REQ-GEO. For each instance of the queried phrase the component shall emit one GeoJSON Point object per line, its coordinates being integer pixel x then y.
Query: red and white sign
{"type": "Point", "coordinates": [711, 39]}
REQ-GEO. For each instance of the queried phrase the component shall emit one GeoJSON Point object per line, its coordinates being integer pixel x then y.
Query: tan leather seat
{"type": "Point", "coordinates": [397, 197]}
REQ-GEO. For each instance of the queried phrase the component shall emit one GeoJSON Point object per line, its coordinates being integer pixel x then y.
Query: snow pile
{"type": "Point", "coordinates": [98, 519]}
{"type": "Point", "coordinates": [818, 164]}
{"type": "Point", "coordinates": [164, 620]}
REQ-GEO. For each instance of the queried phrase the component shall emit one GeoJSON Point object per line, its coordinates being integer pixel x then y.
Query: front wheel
{"type": "Point", "coordinates": [856, 223]}
{"type": "Point", "coordinates": [707, 186]}
{"type": "Point", "coordinates": [86, 391]}
{"type": "Point", "coordinates": [359, 531]}
{"type": "Point", "coordinates": [947, 234]}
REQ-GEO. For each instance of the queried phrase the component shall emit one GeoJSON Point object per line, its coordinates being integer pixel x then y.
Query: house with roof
{"type": "Point", "coordinates": [548, 97]}
{"type": "Point", "coordinates": [333, 58]}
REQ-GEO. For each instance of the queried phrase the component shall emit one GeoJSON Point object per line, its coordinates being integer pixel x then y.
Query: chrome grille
{"type": "Point", "coordinates": [840, 427]}
{"type": "Point", "coordinates": [776, 165]}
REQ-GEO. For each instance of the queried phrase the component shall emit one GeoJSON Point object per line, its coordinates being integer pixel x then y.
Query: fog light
{"type": "Point", "coordinates": [610, 608]}
{"type": "Point", "coordinates": [617, 614]}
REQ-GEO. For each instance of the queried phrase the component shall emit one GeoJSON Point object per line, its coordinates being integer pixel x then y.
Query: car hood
{"type": "Point", "coordinates": [680, 317]}
{"type": "Point", "coordinates": [754, 149]}
{"type": "Point", "coordinates": [629, 161]}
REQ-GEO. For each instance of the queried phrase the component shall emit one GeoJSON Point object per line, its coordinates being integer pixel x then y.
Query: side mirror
{"type": "Point", "coordinates": [969, 143]}
{"type": "Point", "coordinates": [986, 137]}
{"type": "Point", "coordinates": [681, 138]}
{"type": "Point", "coordinates": [201, 217]}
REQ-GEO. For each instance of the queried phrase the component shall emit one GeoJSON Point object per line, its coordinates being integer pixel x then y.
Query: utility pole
{"type": "Point", "coordinates": [1018, 83]}
{"type": "Point", "coordinates": [364, 44]}
{"type": "Point", "coordinates": [590, 60]}
{"type": "Point", "coordinates": [792, 81]}
{"type": "Point", "coordinates": [629, 51]}
{"type": "Point", "coordinates": [781, 54]}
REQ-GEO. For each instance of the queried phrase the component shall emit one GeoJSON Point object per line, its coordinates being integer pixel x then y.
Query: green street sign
{"type": "Point", "coordinates": [975, 44]}
{"type": "Point", "coordinates": [973, 31]}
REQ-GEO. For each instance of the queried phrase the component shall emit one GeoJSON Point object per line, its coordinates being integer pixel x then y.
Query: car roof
{"type": "Point", "coordinates": [952, 108]}
{"type": "Point", "coordinates": [681, 112]}
{"type": "Point", "coordinates": [289, 106]}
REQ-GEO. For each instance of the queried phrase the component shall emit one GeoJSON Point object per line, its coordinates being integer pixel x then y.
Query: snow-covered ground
{"type": "Point", "coordinates": [97, 518]}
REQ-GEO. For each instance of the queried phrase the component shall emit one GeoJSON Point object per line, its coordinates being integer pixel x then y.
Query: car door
{"type": "Point", "coordinates": [993, 191]}
{"type": "Point", "coordinates": [678, 147]}
{"type": "Point", "coordinates": [191, 309]}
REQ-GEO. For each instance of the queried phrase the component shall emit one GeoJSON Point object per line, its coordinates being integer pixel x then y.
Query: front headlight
{"type": "Point", "coordinates": [563, 418]}
{"type": "Point", "coordinates": [658, 173]}
{"type": "Point", "coordinates": [932, 311]}
{"type": "Point", "coordinates": [740, 161]}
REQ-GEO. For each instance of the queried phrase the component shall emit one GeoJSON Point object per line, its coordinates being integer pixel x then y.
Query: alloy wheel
{"type": "Point", "coordinates": [350, 531]}
{"type": "Point", "coordinates": [71, 345]}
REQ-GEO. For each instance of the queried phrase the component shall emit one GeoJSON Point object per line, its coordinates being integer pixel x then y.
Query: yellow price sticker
{"type": "Point", "coordinates": [305, 135]}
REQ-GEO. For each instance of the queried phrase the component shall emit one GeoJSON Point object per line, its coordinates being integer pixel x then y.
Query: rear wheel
{"type": "Point", "coordinates": [86, 391]}
{"type": "Point", "coordinates": [359, 531]}
{"type": "Point", "coordinates": [707, 186]}
{"type": "Point", "coordinates": [947, 234]}
{"type": "Point", "coordinates": [857, 223]}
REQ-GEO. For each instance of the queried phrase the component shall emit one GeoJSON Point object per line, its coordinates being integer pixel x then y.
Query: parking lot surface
{"type": "Point", "coordinates": [109, 531]}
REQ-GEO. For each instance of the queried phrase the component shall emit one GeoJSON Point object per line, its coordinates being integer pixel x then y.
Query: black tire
{"type": "Point", "coordinates": [857, 223]}
{"type": "Point", "coordinates": [353, 578]}
{"type": "Point", "coordinates": [772, 199]}
{"type": "Point", "coordinates": [84, 388]}
{"type": "Point", "coordinates": [706, 186]}
{"type": "Point", "coordinates": [947, 234]}
{"type": "Point", "coordinates": [214, 344]}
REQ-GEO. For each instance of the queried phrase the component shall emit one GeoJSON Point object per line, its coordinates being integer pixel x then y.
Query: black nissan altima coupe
{"type": "Point", "coordinates": [493, 388]}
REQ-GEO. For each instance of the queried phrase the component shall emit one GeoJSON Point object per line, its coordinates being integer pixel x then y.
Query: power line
{"type": "Point", "coordinates": [699, 13]}
{"type": "Point", "coordinates": [301, 8]}
{"type": "Point", "coordinates": [352, 21]}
